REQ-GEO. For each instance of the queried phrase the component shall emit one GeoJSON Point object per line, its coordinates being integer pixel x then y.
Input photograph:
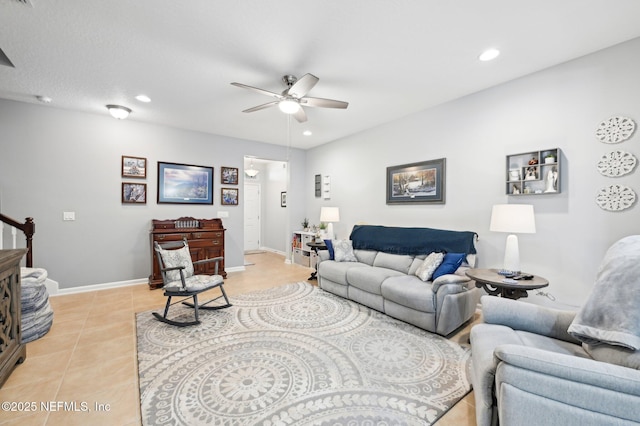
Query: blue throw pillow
{"type": "Point", "coordinates": [329, 245]}
{"type": "Point", "coordinates": [449, 265]}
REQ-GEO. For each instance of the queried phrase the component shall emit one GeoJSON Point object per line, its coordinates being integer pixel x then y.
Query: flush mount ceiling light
{"type": "Point", "coordinates": [118, 111]}
{"type": "Point", "coordinates": [251, 172]}
{"type": "Point", "coordinates": [307, 133]}
{"type": "Point", "coordinates": [489, 55]}
{"type": "Point", "coordinates": [289, 106]}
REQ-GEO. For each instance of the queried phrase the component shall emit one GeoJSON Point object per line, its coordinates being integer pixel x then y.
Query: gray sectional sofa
{"type": "Point", "coordinates": [382, 275]}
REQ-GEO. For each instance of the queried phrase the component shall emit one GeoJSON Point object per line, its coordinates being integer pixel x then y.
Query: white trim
{"type": "Point", "coordinates": [106, 286]}
{"type": "Point", "coordinates": [95, 287]}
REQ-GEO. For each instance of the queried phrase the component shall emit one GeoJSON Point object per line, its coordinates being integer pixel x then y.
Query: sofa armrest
{"type": "Point", "coordinates": [449, 279]}
{"type": "Point", "coordinates": [573, 390]}
{"type": "Point", "coordinates": [323, 255]}
{"type": "Point", "coordinates": [528, 317]}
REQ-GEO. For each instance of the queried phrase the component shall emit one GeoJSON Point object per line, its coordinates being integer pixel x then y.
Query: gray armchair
{"type": "Point", "coordinates": [530, 368]}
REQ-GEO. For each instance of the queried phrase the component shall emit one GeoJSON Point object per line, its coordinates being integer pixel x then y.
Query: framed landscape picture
{"type": "Point", "coordinates": [229, 196]}
{"type": "Point", "coordinates": [184, 184]}
{"type": "Point", "coordinates": [229, 175]}
{"type": "Point", "coordinates": [418, 183]}
{"type": "Point", "coordinates": [134, 167]}
{"type": "Point", "coordinates": [135, 193]}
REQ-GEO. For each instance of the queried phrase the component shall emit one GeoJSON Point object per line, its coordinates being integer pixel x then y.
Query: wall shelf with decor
{"type": "Point", "coordinates": [533, 173]}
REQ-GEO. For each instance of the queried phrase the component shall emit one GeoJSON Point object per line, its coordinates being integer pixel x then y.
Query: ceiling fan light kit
{"type": "Point", "coordinates": [294, 97]}
{"type": "Point", "coordinates": [118, 111]}
{"type": "Point", "coordinates": [289, 106]}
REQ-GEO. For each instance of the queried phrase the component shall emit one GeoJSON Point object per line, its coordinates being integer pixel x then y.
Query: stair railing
{"type": "Point", "coordinates": [28, 228]}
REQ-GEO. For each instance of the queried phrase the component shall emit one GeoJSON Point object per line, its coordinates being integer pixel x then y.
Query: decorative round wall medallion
{"type": "Point", "coordinates": [615, 129]}
{"type": "Point", "coordinates": [615, 198]}
{"type": "Point", "coordinates": [616, 163]}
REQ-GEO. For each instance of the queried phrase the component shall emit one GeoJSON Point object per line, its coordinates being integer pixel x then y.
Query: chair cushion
{"type": "Point", "coordinates": [175, 258]}
{"type": "Point", "coordinates": [194, 283]}
{"type": "Point", "coordinates": [409, 291]}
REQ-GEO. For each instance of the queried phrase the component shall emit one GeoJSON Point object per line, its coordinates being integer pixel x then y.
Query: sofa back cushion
{"type": "Point", "coordinates": [397, 262]}
{"type": "Point", "coordinates": [366, 256]}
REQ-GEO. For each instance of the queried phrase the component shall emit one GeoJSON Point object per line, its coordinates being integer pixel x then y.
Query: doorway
{"type": "Point", "coordinates": [252, 208]}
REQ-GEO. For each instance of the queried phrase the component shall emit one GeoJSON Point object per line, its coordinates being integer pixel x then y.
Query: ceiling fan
{"type": "Point", "coordinates": [293, 98]}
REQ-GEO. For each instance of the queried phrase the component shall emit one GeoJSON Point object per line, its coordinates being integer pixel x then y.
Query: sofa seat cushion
{"type": "Point", "coordinates": [409, 291]}
{"type": "Point", "coordinates": [337, 271]}
{"type": "Point", "coordinates": [370, 278]}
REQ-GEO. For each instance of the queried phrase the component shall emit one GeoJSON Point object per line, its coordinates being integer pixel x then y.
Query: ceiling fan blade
{"type": "Point", "coordinates": [303, 86]}
{"type": "Point", "coordinates": [300, 115]}
{"type": "Point", "coordinates": [262, 91]}
{"type": "Point", "coordinates": [324, 103]}
{"type": "Point", "coordinates": [263, 106]}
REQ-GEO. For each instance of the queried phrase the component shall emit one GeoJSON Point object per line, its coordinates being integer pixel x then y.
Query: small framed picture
{"type": "Point", "coordinates": [229, 175]}
{"type": "Point", "coordinates": [134, 167]}
{"type": "Point", "coordinates": [229, 196]}
{"type": "Point", "coordinates": [283, 199]}
{"type": "Point", "coordinates": [134, 193]}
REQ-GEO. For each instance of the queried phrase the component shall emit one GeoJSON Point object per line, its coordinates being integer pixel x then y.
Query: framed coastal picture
{"type": "Point", "coordinates": [134, 167]}
{"type": "Point", "coordinates": [229, 175]}
{"type": "Point", "coordinates": [419, 183]}
{"type": "Point", "coordinates": [229, 196]}
{"type": "Point", "coordinates": [184, 184]}
{"type": "Point", "coordinates": [134, 193]}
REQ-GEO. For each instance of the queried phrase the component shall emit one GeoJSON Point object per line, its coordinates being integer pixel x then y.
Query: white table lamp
{"type": "Point", "coordinates": [330, 215]}
{"type": "Point", "coordinates": [512, 218]}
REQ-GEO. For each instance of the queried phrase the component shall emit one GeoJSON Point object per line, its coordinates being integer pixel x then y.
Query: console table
{"type": "Point", "coordinates": [492, 282]}
{"type": "Point", "coordinates": [204, 236]}
{"type": "Point", "coordinates": [12, 350]}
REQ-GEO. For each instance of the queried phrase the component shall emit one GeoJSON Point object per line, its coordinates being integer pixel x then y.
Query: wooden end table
{"type": "Point", "coordinates": [492, 282]}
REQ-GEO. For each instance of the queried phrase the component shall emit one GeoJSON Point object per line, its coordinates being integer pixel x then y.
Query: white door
{"type": "Point", "coordinates": [251, 216]}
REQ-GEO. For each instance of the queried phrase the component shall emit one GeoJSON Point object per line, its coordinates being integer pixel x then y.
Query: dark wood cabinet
{"type": "Point", "coordinates": [204, 236]}
{"type": "Point", "coordinates": [12, 351]}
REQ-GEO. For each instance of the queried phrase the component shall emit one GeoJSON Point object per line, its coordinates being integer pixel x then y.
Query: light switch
{"type": "Point", "coordinates": [68, 215]}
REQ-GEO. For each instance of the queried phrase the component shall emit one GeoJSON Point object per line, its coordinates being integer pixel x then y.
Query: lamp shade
{"type": "Point", "coordinates": [513, 218]}
{"type": "Point", "coordinates": [329, 214]}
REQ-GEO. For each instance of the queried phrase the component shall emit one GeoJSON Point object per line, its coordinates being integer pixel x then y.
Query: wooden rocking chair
{"type": "Point", "coordinates": [180, 280]}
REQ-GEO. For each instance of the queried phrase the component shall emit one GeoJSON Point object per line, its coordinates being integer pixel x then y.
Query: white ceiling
{"type": "Point", "coordinates": [387, 58]}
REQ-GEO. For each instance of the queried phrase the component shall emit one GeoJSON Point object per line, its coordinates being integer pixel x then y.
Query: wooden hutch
{"type": "Point", "coordinates": [12, 350]}
{"type": "Point", "coordinates": [204, 236]}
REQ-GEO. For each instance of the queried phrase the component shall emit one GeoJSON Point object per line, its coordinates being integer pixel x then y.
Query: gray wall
{"type": "Point", "coordinates": [53, 160]}
{"type": "Point", "coordinates": [559, 107]}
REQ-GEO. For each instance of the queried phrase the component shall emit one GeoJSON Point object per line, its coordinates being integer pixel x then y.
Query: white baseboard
{"type": "Point", "coordinates": [54, 290]}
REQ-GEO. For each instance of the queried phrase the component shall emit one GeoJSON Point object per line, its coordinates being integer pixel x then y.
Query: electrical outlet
{"type": "Point", "coordinates": [68, 215]}
{"type": "Point", "coordinates": [223, 214]}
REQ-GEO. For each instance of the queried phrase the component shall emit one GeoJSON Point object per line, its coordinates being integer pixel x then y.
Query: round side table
{"type": "Point", "coordinates": [492, 282]}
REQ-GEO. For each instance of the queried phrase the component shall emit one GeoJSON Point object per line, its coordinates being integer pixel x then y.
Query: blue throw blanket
{"type": "Point", "coordinates": [411, 241]}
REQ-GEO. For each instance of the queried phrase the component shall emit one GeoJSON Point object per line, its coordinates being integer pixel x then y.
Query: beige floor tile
{"type": "Point", "coordinates": [39, 370]}
{"type": "Point", "coordinates": [33, 393]}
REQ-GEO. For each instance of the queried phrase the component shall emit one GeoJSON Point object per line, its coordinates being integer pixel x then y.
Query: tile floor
{"type": "Point", "coordinates": [88, 359]}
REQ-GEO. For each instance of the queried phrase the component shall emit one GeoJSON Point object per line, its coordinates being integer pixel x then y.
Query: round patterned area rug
{"type": "Point", "coordinates": [296, 355]}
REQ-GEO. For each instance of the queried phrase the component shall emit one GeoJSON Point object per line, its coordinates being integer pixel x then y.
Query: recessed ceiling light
{"type": "Point", "coordinates": [143, 98]}
{"type": "Point", "coordinates": [489, 54]}
{"type": "Point", "coordinates": [307, 133]}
